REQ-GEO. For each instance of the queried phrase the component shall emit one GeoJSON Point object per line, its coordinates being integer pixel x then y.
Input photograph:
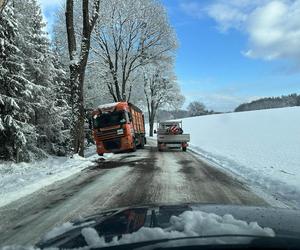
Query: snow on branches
{"type": "Point", "coordinates": [30, 120]}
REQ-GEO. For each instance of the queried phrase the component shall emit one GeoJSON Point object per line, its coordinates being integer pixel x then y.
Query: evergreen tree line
{"type": "Point", "coordinates": [270, 103]}
{"type": "Point", "coordinates": [34, 98]}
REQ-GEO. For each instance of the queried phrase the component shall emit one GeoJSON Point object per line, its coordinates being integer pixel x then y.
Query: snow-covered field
{"type": "Point", "coordinates": [262, 146]}
{"type": "Point", "coordinates": [19, 180]}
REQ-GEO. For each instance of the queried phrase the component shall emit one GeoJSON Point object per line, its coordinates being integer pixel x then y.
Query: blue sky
{"type": "Point", "coordinates": [232, 51]}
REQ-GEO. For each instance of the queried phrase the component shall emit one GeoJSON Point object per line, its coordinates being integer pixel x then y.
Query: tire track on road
{"type": "Point", "coordinates": [211, 185]}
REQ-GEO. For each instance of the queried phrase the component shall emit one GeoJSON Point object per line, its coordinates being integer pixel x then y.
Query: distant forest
{"type": "Point", "coordinates": [270, 103]}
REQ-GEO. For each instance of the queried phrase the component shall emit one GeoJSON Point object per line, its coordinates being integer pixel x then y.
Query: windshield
{"type": "Point", "coordinates": [110, 107]}
{"type": "Point", "coordinates": [109, 119]}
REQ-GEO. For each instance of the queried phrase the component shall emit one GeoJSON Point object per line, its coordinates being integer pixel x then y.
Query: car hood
{"type": "Point", "coordinates": [127, 220]}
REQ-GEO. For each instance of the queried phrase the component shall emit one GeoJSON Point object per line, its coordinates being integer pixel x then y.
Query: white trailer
{"type": "Point", "coordinates": [170, 135]}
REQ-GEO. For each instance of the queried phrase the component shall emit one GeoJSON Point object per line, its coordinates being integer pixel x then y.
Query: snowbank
{"type": "Point", "coordinates": [261, 146]}
{"type": "Point", "coordinates": [21, 179]}
{"type": "Point", "coordinates": [188, 224]}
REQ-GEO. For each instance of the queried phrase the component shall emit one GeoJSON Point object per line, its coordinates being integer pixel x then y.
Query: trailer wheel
{"type": "Point", "coordinates": [159, 147]}
{"type": "Point", "coordinates": [184, 149]}
{"type": "Point", "coordinates": [143, 139]}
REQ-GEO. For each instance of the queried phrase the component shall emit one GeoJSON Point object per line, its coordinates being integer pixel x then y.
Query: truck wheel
{"type": "Point", "coordinates": [184, 149]}
{"type": "Point", "coordinates": [159, 147]}
{"type": "Point", "coordinates": [143, 142]}
{"type": "Point", "coordinates": [100, 154]}
{"type": "Point", "coordinates": [134, 146]}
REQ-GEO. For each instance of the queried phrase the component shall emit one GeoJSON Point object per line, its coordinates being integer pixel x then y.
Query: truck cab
{"type": "Point", "coordinates": [118, 127]}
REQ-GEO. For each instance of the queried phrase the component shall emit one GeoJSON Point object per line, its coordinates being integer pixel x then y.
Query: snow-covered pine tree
{"type": "Point", "coordinates": [62, 106]}
{"type": "Point", "coordinates": [33, 110]}
{"type": "Point", "coordinates": [40, 69]}
{"type": "Point", "coordinates": [15, 128]}
{"type": "Point", "coordinates": [61, 63]}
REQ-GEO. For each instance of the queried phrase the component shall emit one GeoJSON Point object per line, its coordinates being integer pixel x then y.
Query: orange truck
{"type": "Point", "coordinates": [118, 127]}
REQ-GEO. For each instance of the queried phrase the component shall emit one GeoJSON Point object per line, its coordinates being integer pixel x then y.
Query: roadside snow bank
{"type": "Point", "coordinates": [261, 146]}
{"type": "Point", "coordinates": [188, 224]}
{"type": "Point", "coordinates": [20, 179]}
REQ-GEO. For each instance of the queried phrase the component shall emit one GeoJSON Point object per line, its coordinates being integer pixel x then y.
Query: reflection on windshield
{"type": "Point", "coordinates": [135, 225]}
{"type": "Point", "coordinates": [109, 119]}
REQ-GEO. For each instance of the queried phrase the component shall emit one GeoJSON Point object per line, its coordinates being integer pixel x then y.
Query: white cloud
{"type": "Point", "coordinates": [271, 26]}
{"type": "Point", "coordinates": [274, 31]}
{"type": "Point", "coordinates": [226, 16]}
{"type": "Point", "coordinates": [192, 8]}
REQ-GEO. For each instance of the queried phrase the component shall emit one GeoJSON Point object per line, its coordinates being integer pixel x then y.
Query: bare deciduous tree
{"type": "Point", "coordinates": [78, 62]}
{"type": "Point", "coordinates": [133, 34]}
{"type": "Point", "coordinates": [196, 108]}
{"type": "Point", "coordinates": [161, 89]}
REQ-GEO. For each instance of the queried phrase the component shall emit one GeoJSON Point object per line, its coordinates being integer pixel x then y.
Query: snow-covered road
{"type": "Point", "coordinates": [144, 177]}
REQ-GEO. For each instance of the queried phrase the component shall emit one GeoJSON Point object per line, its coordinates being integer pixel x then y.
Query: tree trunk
{"type": "Point", "coordinates": [81, 134]}
{"type": "Point", "coordinates": [151, 125]}
{"type": "Point", "coordinates": [151, 122]}
{"type": "Point", "coordinates": [78, 109]}
{"type": "Point", "coordinates": [78, 113]}
{"type": "Point", "coordinates": [77, 68]}
{"type": "Point", "coordinates": [74, 107]}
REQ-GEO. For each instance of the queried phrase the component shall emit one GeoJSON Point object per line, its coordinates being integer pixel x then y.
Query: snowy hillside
{"type": "Point", "coordinates": [261, 146]}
